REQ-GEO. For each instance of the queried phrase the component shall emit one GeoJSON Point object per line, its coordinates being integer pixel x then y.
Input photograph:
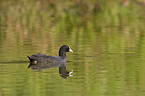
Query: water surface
{"type": "Point", "coordinates": [108, 58]}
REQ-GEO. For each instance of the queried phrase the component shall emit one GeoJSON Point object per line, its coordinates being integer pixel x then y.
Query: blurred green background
{"type": "Point", "coordinates": [107, 37]}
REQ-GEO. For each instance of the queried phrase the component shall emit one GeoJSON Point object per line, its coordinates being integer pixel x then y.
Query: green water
{"type": "Point", "coordinates": [108, 44]}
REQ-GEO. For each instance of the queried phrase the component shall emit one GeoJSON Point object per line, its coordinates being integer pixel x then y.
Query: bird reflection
{"type": "Point", "coordinates": [64, 73]}
{"type": "Point", "coordinates": [62, 67]}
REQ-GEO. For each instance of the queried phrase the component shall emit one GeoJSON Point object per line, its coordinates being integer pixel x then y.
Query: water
{"type": "Point", "coordinates": [108, 59]}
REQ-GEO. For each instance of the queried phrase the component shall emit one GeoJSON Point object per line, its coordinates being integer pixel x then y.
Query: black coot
{"type": "Point", "coordinates": [48, 60]}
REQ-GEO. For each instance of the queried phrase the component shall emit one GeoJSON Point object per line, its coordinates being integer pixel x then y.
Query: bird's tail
{"type": "Point", "coordinates": [32, 61]}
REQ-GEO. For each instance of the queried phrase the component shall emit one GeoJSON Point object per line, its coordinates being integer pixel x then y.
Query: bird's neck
{"type": "Point", "coordinates": [62, 54]}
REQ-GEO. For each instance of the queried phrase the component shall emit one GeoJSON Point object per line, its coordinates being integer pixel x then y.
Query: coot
{"type": "Point", "coordinates": [48, 59]}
